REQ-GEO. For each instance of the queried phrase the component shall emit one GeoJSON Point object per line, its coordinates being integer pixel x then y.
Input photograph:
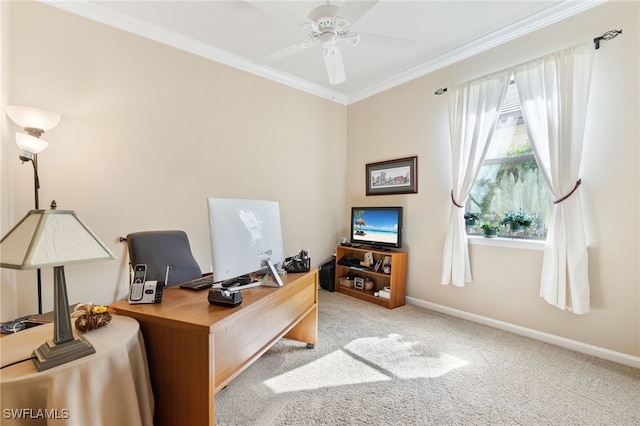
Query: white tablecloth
{"type": "Point", "coordinates": [110, 387]}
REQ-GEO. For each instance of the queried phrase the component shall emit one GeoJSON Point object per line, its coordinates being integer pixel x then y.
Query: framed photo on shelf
{"type": "Point", "coordinates": [386, 265]}
{"type": "Point", "coordinates": [393, 176]}
{"type": "Point", "coordinates": [368, 257]}
{"type": "Point", "coordinates": [358, 283]}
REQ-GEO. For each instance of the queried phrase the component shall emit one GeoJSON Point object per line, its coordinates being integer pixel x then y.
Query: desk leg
{"type": "Point", "coordinates": [181, 366]}
{"type": "Point", "coordinates": [307, 329]}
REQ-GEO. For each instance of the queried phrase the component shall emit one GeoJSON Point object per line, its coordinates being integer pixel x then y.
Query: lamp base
{"type": "Point", "coordinates": [51, 354]}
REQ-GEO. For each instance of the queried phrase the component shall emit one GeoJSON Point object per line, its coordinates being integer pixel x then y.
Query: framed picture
{"type": "Point", "coordinates": [368, 258]}
{"type": "Point", "coordinates": [393, 177]}
{"type": "Point", "coordinates": [358, 283]}
{"type": "Point", "coordinates": [386, 265]}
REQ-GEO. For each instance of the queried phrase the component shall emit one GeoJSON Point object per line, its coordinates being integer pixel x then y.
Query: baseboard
{"type": "Point", "coordinates": [575, 345]}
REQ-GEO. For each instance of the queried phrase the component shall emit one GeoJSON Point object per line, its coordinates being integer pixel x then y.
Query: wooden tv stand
{"type": "Point", "coordinates": [396, 279]}
{"type": "Point", "coordinates": [194, 349]}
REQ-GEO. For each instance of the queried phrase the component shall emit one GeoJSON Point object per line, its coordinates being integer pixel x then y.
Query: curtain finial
{"type": "Point", "coordinates": [606, 36]}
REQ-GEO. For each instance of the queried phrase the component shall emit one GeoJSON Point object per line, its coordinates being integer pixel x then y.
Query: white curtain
{"type": "Point", "coordinates": [474, 108]}
{"type": "Point", "coordinates": [554, 91]}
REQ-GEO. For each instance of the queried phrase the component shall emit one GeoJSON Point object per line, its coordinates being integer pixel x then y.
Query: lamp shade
{"type": "Point", "coordinates": [54, 238]}
{"type": "Point", "coordinates": [49, 238]}
{"type": "Point", "coordinates": [30, 143]}
{"type": "Point", "coordinates": [29, 117]}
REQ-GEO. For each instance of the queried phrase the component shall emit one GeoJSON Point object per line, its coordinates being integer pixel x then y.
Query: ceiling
{"type": "Point", "coordinates": [241, 33]}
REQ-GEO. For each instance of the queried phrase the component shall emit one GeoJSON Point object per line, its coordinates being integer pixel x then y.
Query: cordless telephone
{"type": "Point", "coordinates": [137, 285]}
{"type": "Point", "coordinates": [143, 291]}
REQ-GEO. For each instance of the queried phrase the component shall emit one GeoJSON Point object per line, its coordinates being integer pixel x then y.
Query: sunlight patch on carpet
{"type": "Point", "coordinates": [336, 369]}
{"type": "Point", "coordinates": [403, 359]}
{"type": "Point", "coordinates": [365, 360]}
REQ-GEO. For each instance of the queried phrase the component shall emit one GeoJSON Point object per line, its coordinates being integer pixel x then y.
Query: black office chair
{"type": "Point", "coordinates": [159, 249]}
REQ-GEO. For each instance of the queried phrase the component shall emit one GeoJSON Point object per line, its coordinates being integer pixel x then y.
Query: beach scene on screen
{"type": "Point", "coordinates": [376, 225]}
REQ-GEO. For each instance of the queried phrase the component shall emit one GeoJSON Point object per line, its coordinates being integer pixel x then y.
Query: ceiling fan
{"type": "Point", "coordinates": [329, 26]}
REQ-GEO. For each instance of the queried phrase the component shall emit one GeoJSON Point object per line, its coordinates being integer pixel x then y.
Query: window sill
{"type": "Point", "coordinates": [506, 242]}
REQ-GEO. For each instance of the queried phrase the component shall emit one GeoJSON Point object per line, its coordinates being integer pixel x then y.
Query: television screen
{"type": "Point", "coordinates": [378, 227]}
{"type": "Point", "coordinates": [246, 237]}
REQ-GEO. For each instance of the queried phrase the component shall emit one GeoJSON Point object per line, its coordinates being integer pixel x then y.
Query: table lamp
{"type": "Point", "coordinates": [54, 238]}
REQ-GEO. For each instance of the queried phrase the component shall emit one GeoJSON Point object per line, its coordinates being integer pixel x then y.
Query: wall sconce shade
{"type": "Point", "coordinates": [54, 238]}
{"type": "Point", "coordinates": [34, 118]}
{"type": "Point", "coordinates": [30, 144]}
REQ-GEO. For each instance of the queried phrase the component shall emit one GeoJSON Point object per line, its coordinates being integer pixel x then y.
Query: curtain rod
{"type": "Point", "coordinates": [609, 35]}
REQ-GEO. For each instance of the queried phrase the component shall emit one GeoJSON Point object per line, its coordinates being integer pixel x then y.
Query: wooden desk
{"type": "Point", "coordinates": [194, 348]}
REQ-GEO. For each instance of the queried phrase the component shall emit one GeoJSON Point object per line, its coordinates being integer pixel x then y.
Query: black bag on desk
{"type": "Point", "coordinates": [299, 263]}
{"type": "Point", "coordinates": [327, 275]}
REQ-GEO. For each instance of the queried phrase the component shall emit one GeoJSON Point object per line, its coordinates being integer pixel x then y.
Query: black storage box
{"type": "Point", "coordinates": [327, 275]}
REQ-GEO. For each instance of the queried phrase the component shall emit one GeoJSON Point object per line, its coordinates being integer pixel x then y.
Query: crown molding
{"type": "Point", "coordinates": [108, 17]}
{"type": "Point", "coordinates": [518, 29]}
{"type": "Point", "coordinates": [525, 26]}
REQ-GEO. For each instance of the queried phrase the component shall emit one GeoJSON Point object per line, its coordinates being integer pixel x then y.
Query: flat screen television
{"type": "Point", "coordinates": [377, 227]}
{"type": "Point", "coordinates": [246, 237]}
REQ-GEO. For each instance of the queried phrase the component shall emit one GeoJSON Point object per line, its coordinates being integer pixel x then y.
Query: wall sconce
{"type": "Point", "coordinates": [35, 122]}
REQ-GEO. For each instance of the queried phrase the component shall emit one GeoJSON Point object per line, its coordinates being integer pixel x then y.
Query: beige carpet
{"type": "Point", "coordinates": [412, 366]}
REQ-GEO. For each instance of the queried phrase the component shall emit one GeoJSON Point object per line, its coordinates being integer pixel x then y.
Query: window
{"type": "Point", "coordinates": [510, 180]}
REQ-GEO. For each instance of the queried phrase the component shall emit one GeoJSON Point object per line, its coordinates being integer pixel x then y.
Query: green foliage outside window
{"type": "Point", "coordinates": [511, 183]}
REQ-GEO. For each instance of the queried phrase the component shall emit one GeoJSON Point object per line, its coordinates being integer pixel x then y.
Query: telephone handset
{"type": "Point", "coordinates": [137, 285]}
{"type": "Point", "coordinates": [143, 291]}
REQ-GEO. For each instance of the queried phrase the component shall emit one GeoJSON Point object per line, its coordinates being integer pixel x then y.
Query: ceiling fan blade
{"type": "Point", "coordinates": [280, 11]}
{"type": "Point", "coordinates": [396, 46]}
{"type": "Point", "coordinates": [283, 53]}
{"type": "Point", "coordinates": [352, 10]}
{"type": "Point", "coordinates": [335, 67]}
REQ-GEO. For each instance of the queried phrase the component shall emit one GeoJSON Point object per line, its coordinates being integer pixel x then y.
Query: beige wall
{"type": "Point", "coordinates": [149, 132]}
{"type": "Point", "coordinates": [411, 120]}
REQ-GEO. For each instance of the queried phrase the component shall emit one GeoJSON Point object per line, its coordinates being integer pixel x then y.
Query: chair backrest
{"type": "Point", "coordinates": [159, 249]}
